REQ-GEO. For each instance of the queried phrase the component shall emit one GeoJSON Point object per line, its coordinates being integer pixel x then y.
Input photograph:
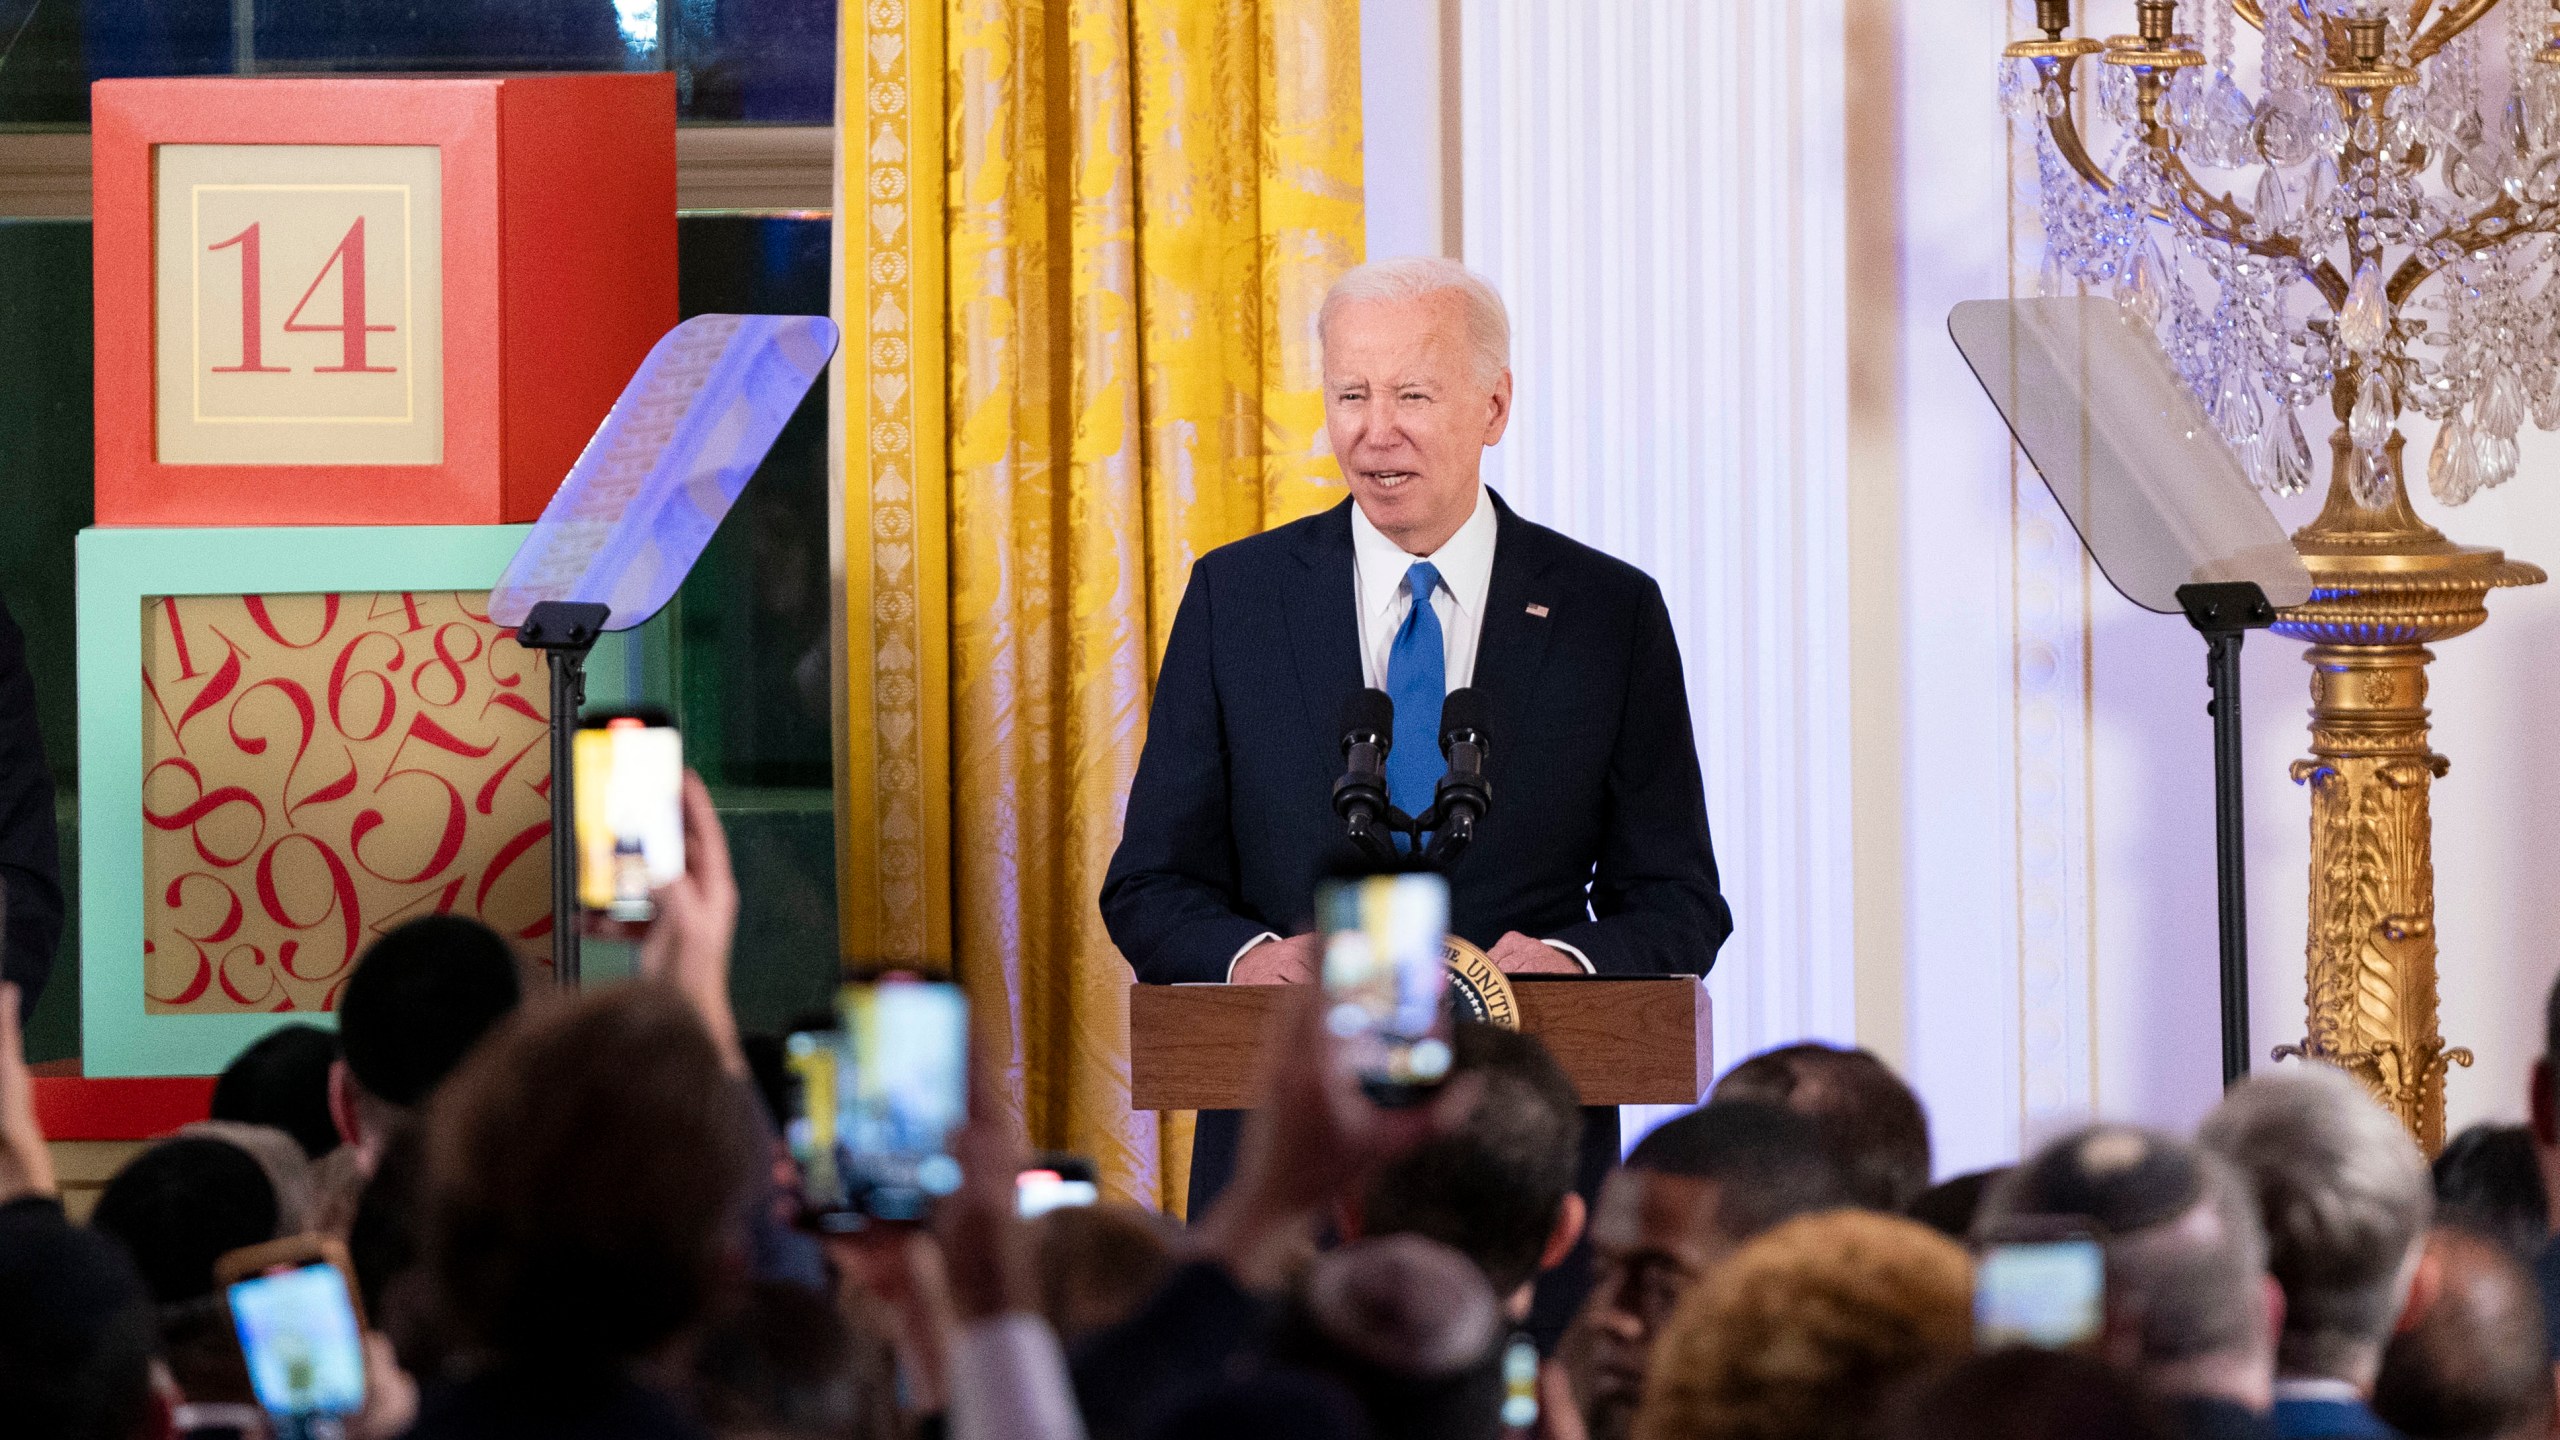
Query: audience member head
{"type": "Point", "coordinates": [2488, 1182]}
{"type": "Point", "coordinates": [1808, 1330]}
{"type": "Point", "coordinates": [2345, 1198]}
{"type": "Point", "coordinates": [1691, 1193]}
{"type": "Point", "coordinates": [1949, 1206]}
{"type": "Point", "coordinates": [2189, 1311]}
{"type": "Point", "coordinates": [1868, 1119]}
{"type": "Point", "coordinates": [1411, 1328]}
{"type": "Point", "coordinates": [587, 1181]}
{"type": "Point", "coordinates": [420, 998]}
{"type": "Point", "coordinates": [2026, 1394]}
{"type": "Point", "coordinates": [76, 1331]}
{"type": "Point", "coordinates": [283, 1081]}
{"type": "Point", "coordinates": [1499, 1188]}
{"type": "Point", "coordinates": [782, 1363]}
{"type": "Point", "coordinates": [1098, 1264]}
{"type": "Point", "coordinates": [2470, 1363]}
{"type": "Point", "coordinates": [182, 1205]}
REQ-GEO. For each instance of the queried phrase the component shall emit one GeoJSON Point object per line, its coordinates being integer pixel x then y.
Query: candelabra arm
{"type": "Point", "coordinates": [2458, 16]}
{"type": "Point", "coordinates": [2470, 235]}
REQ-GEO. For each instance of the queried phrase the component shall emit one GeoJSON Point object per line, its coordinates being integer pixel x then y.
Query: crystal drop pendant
{"type": "Point", "coordinates": [2274, 206]}
{"type": "Point", "coordinates": [2138, 290]}
{"type": "Point", "coordinates": [2320, 187]}
{"type": "Point", "coordinates": [2055, 280]}
{"type": "Point", "coordinates": [2364, 323]}
{"type": "Point", "coordinates": [2369, 423]}
{"type": "Point", "coordinates": [2498, 455]}
{"type": "Point", "coordinates": [2289, 454]}
{"type": "Point", "coordinates": [2285, 131]}
{"type": "Point", "coordinates": [2369, 479]}
{"type": "Point", "coordinates": [2546, 404]}
{"type": "Point", "coordinates": [2502, 408]}
{"type": "Point", "coordinates": [2235, 409]}
{"type": "Point", "coordinates": [2223, 120]}
{"type": "Point", "coordinates": [2453, 466]}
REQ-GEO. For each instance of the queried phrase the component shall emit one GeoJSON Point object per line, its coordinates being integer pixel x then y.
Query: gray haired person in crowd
{"type": "Point", "coordinates": [2346, 1199]}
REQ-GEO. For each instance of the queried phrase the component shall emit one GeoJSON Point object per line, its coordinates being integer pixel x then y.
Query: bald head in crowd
{"type": "Point", "coordinates": [1870, 1122]}
{"type": "Point", "coordinates": [2190, 1311]}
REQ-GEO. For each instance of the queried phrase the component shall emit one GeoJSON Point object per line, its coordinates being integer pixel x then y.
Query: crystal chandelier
{"type": "Point", "coordinates": [2375, 228]}
{"type": "Point", "coordinates": [2401, 168]}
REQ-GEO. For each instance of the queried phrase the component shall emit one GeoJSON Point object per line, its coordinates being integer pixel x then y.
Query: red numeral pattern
{"type": "Point", "coordinates": [319, 768]}
{"type": "Point", "coordinates": [351, 327]}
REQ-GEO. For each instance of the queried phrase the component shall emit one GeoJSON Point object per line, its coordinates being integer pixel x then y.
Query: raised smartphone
{"type": "Point", "coordinates": [1385, 981]}
{"type": "Point", "coordinates": [630, 815]}
{"type": "Point", "coordinates": [1054, 1181]}
{"type": "Point", "coordinates": [877, 1100]}
{"type": "Point", "coordinates": [294, 1309]}
{"type": "Point", "coordinates": [2050, 1294]}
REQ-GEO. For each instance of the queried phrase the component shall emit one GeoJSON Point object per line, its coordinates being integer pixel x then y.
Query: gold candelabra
{"type": "Point", "coordinates": [2383, 163]}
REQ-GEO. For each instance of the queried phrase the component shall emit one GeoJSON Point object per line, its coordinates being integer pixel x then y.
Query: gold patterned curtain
{"type": "Point", "coordinates": [1082, 246]}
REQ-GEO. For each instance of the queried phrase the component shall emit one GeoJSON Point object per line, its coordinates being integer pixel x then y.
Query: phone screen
{"type": "Point", "coordinates": [630, 813]}
{"type": "Point", "coordinates": [298, 1332]}
{"type": "Point", "coordinates": [1385, 981]}
{"type": "Point", "coordinates": [1037, 1192]}
{"type": "Point", "coordinates": [878, 1100]}
{"type": "Point", "coordinates": [2047, 1293]}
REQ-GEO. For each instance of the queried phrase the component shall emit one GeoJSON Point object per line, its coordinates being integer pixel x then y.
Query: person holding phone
{"type": "Point", "coordinates": [2181, 1299]}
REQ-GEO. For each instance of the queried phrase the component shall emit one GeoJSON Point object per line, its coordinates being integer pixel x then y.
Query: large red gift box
{"type": "Point", "coordinates": [377, 301]}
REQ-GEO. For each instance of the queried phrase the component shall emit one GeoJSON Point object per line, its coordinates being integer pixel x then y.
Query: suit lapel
{"type": "Point", "coordinates": [1324, 625]}
{"type": "Point", "coordinates": [1512, 650]}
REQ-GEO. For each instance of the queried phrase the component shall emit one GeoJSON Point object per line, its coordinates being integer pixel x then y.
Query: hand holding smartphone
{"type": "Point", "coordinates": [1385, 982]}
{"type": "Point", "coordinates": [293, 1304]}
{"type": "Point", "coordinates": [630, 816]}
{"type": "Point", "coordinates": [878, 1099]}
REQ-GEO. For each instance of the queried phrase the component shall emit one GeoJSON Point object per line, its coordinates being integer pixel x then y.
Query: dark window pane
{"type": "Point", "coordinates": [771, 61]}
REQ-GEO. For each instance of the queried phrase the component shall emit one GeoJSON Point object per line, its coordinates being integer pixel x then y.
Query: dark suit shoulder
{"type": "Point", "coordinates": [1278, 545]}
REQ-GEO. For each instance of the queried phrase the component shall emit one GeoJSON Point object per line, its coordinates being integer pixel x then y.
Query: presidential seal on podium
{"type": "Point", "coordinates": [1478, 990]}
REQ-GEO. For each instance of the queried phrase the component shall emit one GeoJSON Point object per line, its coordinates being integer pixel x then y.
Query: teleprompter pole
{"type": "Point", "coordinates": [564, 630]}
{"type": "Point", "coordinates": [2224, 614]}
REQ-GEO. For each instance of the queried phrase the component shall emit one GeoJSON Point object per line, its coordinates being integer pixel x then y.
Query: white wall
{"type": "Point", "coordinates": [1656, 187]}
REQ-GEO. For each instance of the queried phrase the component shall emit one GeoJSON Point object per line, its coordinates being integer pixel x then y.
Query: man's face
{"type": "Point", "coordinates": [1652, 1238]}
{"type": "Point", "coordinates": [1407, 414]}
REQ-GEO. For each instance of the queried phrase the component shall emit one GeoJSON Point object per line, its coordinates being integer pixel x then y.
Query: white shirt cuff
{"type": "Point", "coordinates": [1009, 1382]}
{"type": "Point", "coordinates": [1265, 937]}
{"type": "Point", "coordinates": [1578, 957]}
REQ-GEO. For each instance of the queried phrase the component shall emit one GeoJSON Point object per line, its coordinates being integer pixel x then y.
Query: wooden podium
{"type": "Point", "coordinates": [1623, 1042]}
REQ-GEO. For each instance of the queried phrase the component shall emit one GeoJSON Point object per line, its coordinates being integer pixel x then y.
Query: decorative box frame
{"type": "Point", "coordinates": [558, 245]}
{"type": "Point", "coordinates": [118, 570]}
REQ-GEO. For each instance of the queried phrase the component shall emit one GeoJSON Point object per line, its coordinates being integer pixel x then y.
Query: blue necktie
{"type": "Point", "coordinates": [1417, 680]}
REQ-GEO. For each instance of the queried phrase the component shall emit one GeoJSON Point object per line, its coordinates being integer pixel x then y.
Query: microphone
{"type": "Point", "coordinates": [1360, 796]}
{"type": "Point", "coordinates": [1464, 794]}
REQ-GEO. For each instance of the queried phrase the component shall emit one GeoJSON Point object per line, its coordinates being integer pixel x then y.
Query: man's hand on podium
{"type": "Point", "coordinates": [1517, 954]}
{"type": "Point", "coordinates": [1293, 961]}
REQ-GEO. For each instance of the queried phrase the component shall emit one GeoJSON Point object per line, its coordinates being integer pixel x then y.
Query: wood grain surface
{"type": "Point", "coordinates": [1624, 1042]}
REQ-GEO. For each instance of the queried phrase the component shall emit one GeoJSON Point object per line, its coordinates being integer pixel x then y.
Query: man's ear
{"type": "Point", "coordinates": [1570, 1218]}
{"type": "Point", "coordinates": [2275, 1312]}
{"type": "Point", "coordinates": [2426, 1282]}
{"type": "Point", "coordinates": [1498, 414]}
{"type": "Point", "coordinates": [342, 1103]}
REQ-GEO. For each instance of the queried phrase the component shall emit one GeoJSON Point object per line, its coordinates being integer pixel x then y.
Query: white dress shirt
{"type": "Point", "coordinates": [1378, 591]}
{"type": "Point", "coordinates": [1379, 596]}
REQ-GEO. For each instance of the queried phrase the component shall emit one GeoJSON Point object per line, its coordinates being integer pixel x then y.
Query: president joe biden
{"type": "Point", "coordinates": [1594, 853]}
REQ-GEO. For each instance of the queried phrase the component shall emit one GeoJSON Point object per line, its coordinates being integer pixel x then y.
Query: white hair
{"type": "Point", "coordinates": [1410, 277]}
{"type": "Point", "coordinates": [2346, 1198]}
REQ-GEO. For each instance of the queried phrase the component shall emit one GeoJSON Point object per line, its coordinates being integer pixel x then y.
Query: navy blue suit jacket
{"type": "Point", "coordinates": [1597, 835]}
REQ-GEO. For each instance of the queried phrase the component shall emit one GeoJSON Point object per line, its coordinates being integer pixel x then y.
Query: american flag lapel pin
{"type": "Point", "coordinates": [1538, 610]}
